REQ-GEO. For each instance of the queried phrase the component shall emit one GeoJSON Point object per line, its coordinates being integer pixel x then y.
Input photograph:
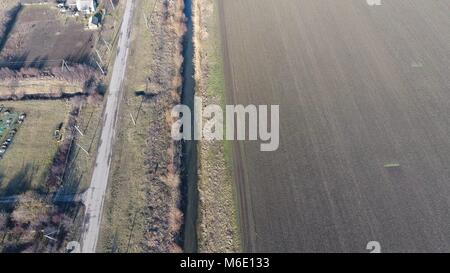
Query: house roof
{"type": "Point", "coordinates": [84, 5]}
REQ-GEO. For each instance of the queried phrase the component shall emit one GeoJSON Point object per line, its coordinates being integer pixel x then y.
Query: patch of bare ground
{"type": "Point", "coordinates": [142, 208]}
{"type": "Point", "coordinates": [217, 221]}
{"type": "Point", "coordinates": [39, 36]}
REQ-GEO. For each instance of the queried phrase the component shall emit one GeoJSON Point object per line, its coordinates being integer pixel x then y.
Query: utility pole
{"type": "Point", "coordinates": [65, 64]}
{"type": "Point", "coordinates": [132, 119]}
{"type": "Point", "coordinates": [107, 44]}
{"type": "Point", "coordinates": [78, 129]}
{"type": "Point", "coordinates": [146, 20]}
{"type": "Point", "coordinates": [112, 4]}
{"type": "Point", "coordinates": [99, 57]}
{"type": "Point", "coordinates": [79, 146]}
{"type": "Point", "coordinates": [99, 66]}
{"type": "Point", "coordinates": [48, 235]}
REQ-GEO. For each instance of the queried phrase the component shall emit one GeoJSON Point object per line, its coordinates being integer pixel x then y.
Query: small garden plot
{"type": "Point", "coordinates": [27, 162]}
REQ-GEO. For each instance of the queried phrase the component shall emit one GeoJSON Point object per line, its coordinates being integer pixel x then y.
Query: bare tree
{"type": "Point", "coordinates": [30, 210]}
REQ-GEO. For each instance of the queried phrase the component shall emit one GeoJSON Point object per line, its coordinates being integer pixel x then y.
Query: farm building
{"type": "Point", "coordinates": [94, 22]}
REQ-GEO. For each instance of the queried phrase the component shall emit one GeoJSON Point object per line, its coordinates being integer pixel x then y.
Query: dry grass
{"type": "Point", "coordinates": [30, 210]}
{"type": "Point", "coordinates": [122, 222]}
{"type": "Point", "coordinates": [80, 165]}
{"type": "Point", "coordinates": [109, 33]}
{"type": "Point", "coordinates": [53, 88]}
{"type": "Point", "coordinates": [26, 163]}
{"type": "Point", "coordinates": [217, 225]}
{"type": "Point", "coordinates": [5, 5]}
{"type": "Point", "coordinates": [55, 82]}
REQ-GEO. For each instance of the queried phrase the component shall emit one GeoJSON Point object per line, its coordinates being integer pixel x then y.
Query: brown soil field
{"type": "Point", "coordinates": [359, 87]}
{"type": "Point", "coordinates": [42, 37]}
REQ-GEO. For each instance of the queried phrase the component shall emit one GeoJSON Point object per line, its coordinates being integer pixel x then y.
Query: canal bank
{"type": "Point", "coordinates": [217, 211]}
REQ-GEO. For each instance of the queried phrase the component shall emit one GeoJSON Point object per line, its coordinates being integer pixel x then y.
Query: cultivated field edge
{"type": "Point", "coordinates": [218, 227]}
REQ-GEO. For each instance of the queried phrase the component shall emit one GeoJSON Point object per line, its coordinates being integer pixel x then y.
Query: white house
{"type": "Point", "coordinates": [85, 6]}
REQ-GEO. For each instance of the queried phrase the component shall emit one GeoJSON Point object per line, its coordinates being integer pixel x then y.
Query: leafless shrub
{"type": "Point", "coordinates": [77, 73]}
{"type": "Point", "coordinates": [95, 98]}
{"type": "Point", "coordinates": [60, 159]}
{"type": "Point", "coordinates": [30, 210]}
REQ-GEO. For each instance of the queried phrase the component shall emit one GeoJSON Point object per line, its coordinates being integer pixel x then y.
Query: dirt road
{"type": "Point", "coordinates": [359, 87]}
{"type": "Point", "coordinates": [95, 195]}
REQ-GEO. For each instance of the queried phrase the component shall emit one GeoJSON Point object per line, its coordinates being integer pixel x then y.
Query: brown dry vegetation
{"type": "Point", "coordinates": [33, 217]}
{"type": "Point", "coordinates": [29, 210]}
{"type": "Point", "coordinates": [217, 220]}
{"type": "Point", "coordinates": [141, 213]}
{"type": "Point", "coordinates": [52, 82]}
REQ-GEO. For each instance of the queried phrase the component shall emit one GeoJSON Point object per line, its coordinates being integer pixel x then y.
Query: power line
{"type": "Point", "coordinates": [35, 61]}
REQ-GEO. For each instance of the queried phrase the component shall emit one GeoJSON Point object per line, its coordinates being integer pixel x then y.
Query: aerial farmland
{"type": "Point", "coordinates": [224, 126]}
{"type": "Point", "coordinates": [364, 94]}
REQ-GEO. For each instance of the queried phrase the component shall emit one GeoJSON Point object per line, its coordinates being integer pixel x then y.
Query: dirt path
{"type": "Point", "coordinates": [95, 195]}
